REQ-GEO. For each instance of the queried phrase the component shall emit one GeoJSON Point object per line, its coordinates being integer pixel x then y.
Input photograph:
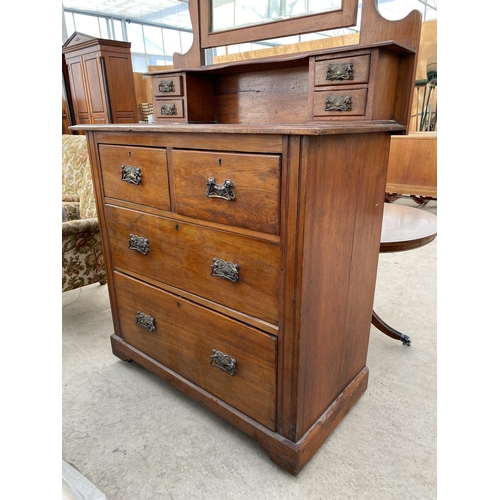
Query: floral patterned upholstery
{"type": "Point", "coordinates": [82, 256]}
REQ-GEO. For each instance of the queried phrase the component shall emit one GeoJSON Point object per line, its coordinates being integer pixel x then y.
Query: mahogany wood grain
{"type": "Point", "coordinates": [181, 254]}
{"type": "Point", "coordinates": [184, 337]}
{"type": "Point", "coordinates": [279, 96]}
{"type": "Point", "coordinates": [214, 306]}
{"type": "Point", "coordinates": [339, 260]}
{"type": "Point", "coordinates": [406, 228]}
{"type": "Point", "coordinates": [152, 135]}
{"type": "Point", "coordinates": [256, 188]}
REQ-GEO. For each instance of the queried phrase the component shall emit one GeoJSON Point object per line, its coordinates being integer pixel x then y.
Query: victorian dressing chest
{"type": "Point", "coordinates": [241, 229]}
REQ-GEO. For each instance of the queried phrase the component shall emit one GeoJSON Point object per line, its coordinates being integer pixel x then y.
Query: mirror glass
{"type": "Point", "coordinates": [229, 14]}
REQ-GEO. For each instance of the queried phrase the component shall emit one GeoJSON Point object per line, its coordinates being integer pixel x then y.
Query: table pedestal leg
{"type": "Point", "coordinates": [389, 331]}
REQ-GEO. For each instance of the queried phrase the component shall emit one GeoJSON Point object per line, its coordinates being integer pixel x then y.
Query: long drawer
{"type": "Point", "coordinates": [233, 270]}
{"type": "Point", "coordinates": [239, 189]}
{"type": "Point", "coordinates": [234, 362]}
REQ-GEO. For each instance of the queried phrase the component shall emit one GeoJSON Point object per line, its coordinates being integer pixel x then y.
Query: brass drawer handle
{"type": "Point", "coordinates": [224, 191]}
{"type": "Point", "coordinates": [338, 103]}
{"type": "Point", "coordinates": [145, 321]}
{"type": "Point", "coordinates": [139, 244]}
{"type": "Point", "coordinates": [340, 71]}
{"type": "Point", "coordinates": [168, 109]}
{"type": "Point", "coordinates": [130, 174]}
{"type": "Point", "coordinates": [223, 361]}
{"type": "Point", "coordinates": [166, 86]}
{"type": "Point", "coordinates": [225, 270]}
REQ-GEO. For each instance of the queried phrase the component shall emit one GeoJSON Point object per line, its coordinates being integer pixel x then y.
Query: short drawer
{"type": "Point", "coordinates": [237, 189]}
{"type": "Point", "coordinates": [346, 102]}
{"type": "Point", "coordinates": [236, 271]}
{"type": "Point", "coordinates": [234, 362]}
{"type": "Point", "coordinates": [341, 71]}
{"type": "Point", "coordinates": [135, 174]}
{"type": "Point", "coordinates": [167, 109]}
{"type": "Point", "coordinates": [167, 86]}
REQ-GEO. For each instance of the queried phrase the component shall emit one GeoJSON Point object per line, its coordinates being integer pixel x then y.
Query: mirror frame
{"type": "Point", "coordinates": [345, 17]}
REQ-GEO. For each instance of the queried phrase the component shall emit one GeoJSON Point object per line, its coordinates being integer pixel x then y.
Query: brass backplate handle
{"type": "Point", "coordinates": [338, 103]}
{"type": "Point", "coordinates": [224, 191]}
{"type": "Point", "coordinates": [132, 175]}
{"type": "Point", "coordinates": [145, 321]}
{"type": "Point", "coordinates": [166, 86]}
{"type": "Point", "coordinates": [168, 109]}
{"type": "Point", "coordinates": [223, 361]}
{"type": "Point", "coordinates": [342, 71]}
{"type": "Point", "coordinates": [139, 244]}
{"type": "Point", "coordinates": [225, 270]}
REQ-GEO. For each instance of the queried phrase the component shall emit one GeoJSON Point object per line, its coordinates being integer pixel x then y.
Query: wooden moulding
{"type": "Point", "coordinates": [290, 456]}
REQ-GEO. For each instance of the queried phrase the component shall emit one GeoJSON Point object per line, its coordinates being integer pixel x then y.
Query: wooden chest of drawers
{"type": "Point", "coordinates": [241, 233]}
{"type": "Point", "coordinates": [242, 264]}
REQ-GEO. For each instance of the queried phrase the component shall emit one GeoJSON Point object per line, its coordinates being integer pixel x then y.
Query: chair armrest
{"type": "Point", "coordinates": [80, 226]}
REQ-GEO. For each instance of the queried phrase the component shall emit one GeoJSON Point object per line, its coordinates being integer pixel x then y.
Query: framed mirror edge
{"type": "Point", "coordinates": [344, 17]}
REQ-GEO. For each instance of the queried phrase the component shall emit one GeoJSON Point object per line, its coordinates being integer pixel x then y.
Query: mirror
{"type": "Point", "coordinates": [231, 14]}
{"type": "Point", "coordinates": [226, 22]}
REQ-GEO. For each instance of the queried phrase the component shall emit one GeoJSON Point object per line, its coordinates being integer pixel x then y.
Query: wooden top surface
{"type": "Point", "coordinates": [320, 128]}
{"type": "Point", "coordinates": [406, 228]}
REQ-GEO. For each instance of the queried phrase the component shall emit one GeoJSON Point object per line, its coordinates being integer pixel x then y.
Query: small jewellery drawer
{"type": "Point", "coordinates": [238, 189]}
{"type": "Point", "coordinates": [345, 102]}
{"type": "Point", "coordinates": [135, 174]}
{"type": "Point", "coordinates": [167, 86]}
{"type": "Point", "coordinates": [346, 70]}
{"type": "Point", "coordinates": [236, 271]}
{"type": "Point", "coordinates": [232, 361]}
{"type": "Point", "coordinates": [168, 109]}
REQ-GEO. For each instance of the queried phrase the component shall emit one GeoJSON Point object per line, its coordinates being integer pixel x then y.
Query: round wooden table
{"type": "Point", "coordinates": [403, 228]}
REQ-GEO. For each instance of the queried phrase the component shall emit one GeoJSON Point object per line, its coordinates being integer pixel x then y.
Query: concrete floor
{"type": "Point", "coordinates": [137, 438]}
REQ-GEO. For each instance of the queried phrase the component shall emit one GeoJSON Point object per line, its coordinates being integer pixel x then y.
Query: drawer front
{"type": "Point", "coordinates": [342, 71]}
{"type": "Point", "coordinates": [234, 362]}
{"type": "Point", "coordinates": [239, 272]}
{"type": "Point", "coordinates": [167, 86]}
{"type": "Point", "coordinates": [168, 109]}
{"type": "Point", "coordinates": [135, 174]}
{"type": "Point", "coordinates": [346, 102]}
{"type": "Point", "coordinates": [237, 189]}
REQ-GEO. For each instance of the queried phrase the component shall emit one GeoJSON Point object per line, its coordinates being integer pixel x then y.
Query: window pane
{"type": "Point", "coordinates": [171, 41]}
{"type": "Point", "coordinates": [89, 25]}
{"type": "Point", "coordinates": [186, 41]}
{"type": "Point", "coordinates": [117, 26]}
{"type": "Point", "coordinates": [153, 39]}
{"type": "Point", "coordinates": [70, 26]}
{"type": "Point", "coordinates": [104, 28]}
{"type": "Point", "coordinates": [134, 34]}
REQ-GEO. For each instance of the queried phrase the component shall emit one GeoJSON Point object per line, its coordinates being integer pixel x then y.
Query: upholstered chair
{"type": "Point", "coordinates": [82, 256]}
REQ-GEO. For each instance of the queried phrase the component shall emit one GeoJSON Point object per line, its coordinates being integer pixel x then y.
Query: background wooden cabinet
{"type": "Point", "coordinates": [100, 80]}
